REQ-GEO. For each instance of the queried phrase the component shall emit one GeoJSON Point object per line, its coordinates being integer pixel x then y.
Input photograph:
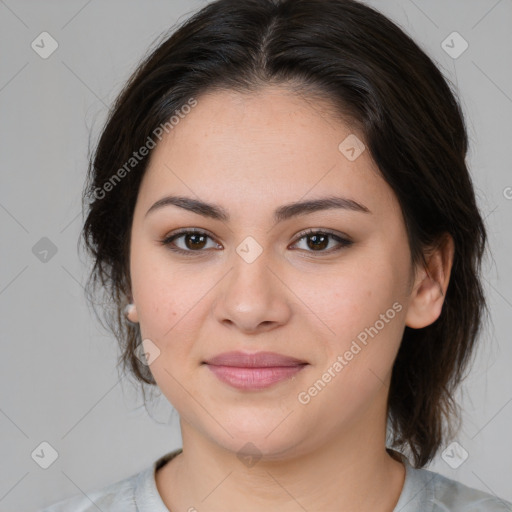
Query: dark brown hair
{"type": "Point", "coordinates": [376, 78]}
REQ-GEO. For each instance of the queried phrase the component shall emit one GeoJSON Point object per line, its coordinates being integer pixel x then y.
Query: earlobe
{"type": "Point", "coordinates": [429, 290]}
{"type": "Point", "coordinates": [130, 313]}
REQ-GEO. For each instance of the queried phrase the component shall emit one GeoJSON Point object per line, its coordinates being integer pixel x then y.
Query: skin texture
{"type": "Point", "coordinates": [250, 154]}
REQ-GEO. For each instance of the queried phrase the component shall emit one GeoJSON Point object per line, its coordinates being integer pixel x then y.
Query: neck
{"type": "Point", "coordinates": [351, 472]}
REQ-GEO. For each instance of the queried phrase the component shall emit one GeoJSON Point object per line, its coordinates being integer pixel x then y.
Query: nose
{"type": "Point", "coordinates": [254, 296]}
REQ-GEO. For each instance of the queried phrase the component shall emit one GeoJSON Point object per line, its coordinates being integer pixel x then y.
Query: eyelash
{"type": "Point", "coordinates": [167, 241]}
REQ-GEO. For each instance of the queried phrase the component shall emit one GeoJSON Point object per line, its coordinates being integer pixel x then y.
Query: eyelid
{"type": "Point", "coordinates": [182, 231]}
{"type": "Point", "coordinates": [311, 231]}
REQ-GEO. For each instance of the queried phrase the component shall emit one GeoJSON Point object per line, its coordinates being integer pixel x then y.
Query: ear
{"type": "Point", "coordinates": [429, 290]}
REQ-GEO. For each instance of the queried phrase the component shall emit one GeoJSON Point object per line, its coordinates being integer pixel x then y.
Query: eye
{"type": "Point", "coordinates": [194, 240]}
{"type": "Point", "coordinates": [318, 240]}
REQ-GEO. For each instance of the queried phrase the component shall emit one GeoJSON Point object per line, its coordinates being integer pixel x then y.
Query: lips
{"type": "Point", "coordinates": [256, 360]}
{"type": "Point", "coordinates": [253, 371]}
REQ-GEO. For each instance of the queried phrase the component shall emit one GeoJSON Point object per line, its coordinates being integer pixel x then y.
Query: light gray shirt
{"type": "Point", "coordinates": [423, 491]}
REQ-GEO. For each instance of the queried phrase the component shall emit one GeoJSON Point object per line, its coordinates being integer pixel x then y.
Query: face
{"type": "Point", "coordinates": [334, 298]}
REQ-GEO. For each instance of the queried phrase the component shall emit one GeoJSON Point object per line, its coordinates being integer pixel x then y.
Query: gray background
{"type": "Point", "coordinates": [59, 381]}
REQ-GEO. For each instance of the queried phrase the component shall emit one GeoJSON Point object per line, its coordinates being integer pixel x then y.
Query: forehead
{"type": "Point", "coordinates": [273, 143]}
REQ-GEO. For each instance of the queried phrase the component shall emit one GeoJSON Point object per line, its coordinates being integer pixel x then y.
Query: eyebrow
{"type": "Point", "coordinates": [281, 214]}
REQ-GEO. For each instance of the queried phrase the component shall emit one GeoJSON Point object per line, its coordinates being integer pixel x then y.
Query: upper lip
{"type": "Point", "coordinates": [254, 360]}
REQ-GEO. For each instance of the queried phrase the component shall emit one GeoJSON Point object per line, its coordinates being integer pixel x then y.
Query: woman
{"type": "Point", "coordinates": [280, 205]}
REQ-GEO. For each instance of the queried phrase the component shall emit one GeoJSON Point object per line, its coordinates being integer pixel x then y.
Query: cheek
{"type": "Point", "coordinates": [345, 303]}
{"type": "Point", "coordinates": [364, 311]}
{"type": "Point", "coordinates": [159, 289]}
{"type": "Point", "coordinates": [358, 361]}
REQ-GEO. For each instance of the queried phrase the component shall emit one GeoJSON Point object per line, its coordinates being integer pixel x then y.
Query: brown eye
{"type": "Point", "coordinates": [195, 241]}
{"type": "Point", "coordinates": [191, 242]}
{"type": "Point", "coordinates": [318, 241]}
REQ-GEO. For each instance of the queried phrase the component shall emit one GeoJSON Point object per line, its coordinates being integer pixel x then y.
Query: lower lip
{"type": "Point", "coordinates": [254, 378]}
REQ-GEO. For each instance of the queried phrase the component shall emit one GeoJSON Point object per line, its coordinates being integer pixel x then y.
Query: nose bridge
{"type": "Point", "coordinates": [251, 294]}
{"type": "Point", "coordinates": [251, 276]}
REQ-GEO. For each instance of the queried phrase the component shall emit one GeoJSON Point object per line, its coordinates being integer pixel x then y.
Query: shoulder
{"type": "Point", "coordinates": [116, 497]}
{"type": "Point", "coordinates": [136, 493]}
{"type": "Point", "coordinates": [444, 494]}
